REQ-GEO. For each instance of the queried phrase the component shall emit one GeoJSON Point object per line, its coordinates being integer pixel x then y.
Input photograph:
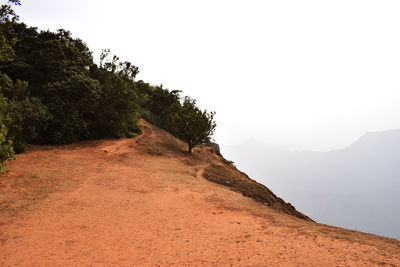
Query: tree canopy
{"type": "Point", "coordinates": [7, 15]}
{"type": "Point", "coordinates": [52, 92]}
{"type": "Point", "coordinates": [193, 125]}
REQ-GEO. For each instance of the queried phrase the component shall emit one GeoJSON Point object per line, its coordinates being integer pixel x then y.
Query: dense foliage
{"type": "Point", "coordinates": [6, 146]}
{"type": "Point", "coordinates": [7, 16]}
{"type": "Point", "coordinates": [52, 92]}
{"type": "Point", "coordinates": [193, 125]}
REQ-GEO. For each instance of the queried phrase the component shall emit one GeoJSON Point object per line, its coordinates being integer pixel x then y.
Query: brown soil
{"type": "Point", "coordinates": [145, 202]}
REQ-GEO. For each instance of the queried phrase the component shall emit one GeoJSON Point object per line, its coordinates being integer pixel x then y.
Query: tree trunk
{"type": "Point", "coordinates": [190, 148]}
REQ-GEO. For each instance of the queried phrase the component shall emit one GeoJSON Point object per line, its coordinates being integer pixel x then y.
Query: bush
{"type": "Point", "coordinates": [193, 125]}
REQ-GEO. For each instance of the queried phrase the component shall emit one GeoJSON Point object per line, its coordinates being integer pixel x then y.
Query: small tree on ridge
{"type": "Point", "coordinates": [194, 126]}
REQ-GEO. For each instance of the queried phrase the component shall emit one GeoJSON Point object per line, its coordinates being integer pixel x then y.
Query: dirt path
{"type": "Point", "coordinates": [143, 202]}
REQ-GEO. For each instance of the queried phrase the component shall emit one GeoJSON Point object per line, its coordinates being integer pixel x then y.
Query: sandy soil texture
{"type": "Point", "coordinates": [145, 202]}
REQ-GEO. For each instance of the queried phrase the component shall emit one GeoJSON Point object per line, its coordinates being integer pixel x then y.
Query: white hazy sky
{"type": "Point", "coordinates": [314, 73]}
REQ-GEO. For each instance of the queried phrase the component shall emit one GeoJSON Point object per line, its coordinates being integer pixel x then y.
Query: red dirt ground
{"type": "Point", "coordinates": [144, 202]}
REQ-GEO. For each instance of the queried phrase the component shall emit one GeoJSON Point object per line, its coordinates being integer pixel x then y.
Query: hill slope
{"type": "Point", "coordinates": [144, 202]}
{"type": "Point", "coordinates": [357, 187]}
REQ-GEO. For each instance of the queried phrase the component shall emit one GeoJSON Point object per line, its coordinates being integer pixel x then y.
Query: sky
{"type": "Point", "coordinates": [318, 74]}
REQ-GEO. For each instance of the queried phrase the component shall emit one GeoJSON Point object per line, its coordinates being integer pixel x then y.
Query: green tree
{"type": "Point", "coordinates": [27, 115]}
{"type": "Point", "coordinates": [6, 146]}
{"type": "Point", "coordinates": [7, 16]}
{"type": "Point", "coordinates": [162, 106]}
{"type": "Point", "coordinates": [193, 125]}
{"type": "Point", "coordinates": [57, 67]}
{"type": "Point", "coordinates": [118, 110]}
{"type": "Point", "coordinates": [7, 13]}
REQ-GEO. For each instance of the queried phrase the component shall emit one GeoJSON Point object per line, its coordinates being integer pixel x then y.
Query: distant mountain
{"type": "Point", "coordinates": [357, 187]}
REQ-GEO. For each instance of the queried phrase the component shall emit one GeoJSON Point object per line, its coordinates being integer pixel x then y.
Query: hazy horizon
{"type": "Point", "coordinates": [296, 147]}
{"type": "Point", "coordinates": [354, 188]}
{"type": "Point", "coordinates": [313, 73]}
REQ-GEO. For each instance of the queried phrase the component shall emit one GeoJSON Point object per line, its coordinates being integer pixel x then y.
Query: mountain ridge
{"type": "Point", "coordinates": [357, 182]}
{"type": "Point", "coordinates": [144, 201]}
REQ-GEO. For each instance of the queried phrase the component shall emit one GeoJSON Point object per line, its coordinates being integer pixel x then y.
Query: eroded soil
{"type": "Point", "coordinates": [145, 202]}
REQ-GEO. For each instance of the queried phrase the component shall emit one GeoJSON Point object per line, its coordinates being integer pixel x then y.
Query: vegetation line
{"type": "Point", "coordinates": [52, 92]}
